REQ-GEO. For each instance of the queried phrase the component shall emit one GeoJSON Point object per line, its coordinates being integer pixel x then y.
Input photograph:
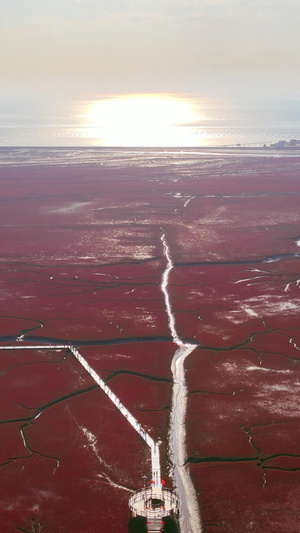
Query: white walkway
{"type": "Point", "coordinates": [155, 459]}
{"type": "Point", "coordinates": [190, 521]}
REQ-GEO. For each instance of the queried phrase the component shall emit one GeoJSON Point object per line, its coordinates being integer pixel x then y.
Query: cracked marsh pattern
{"type": "Point", "coordinates": [81, 261]}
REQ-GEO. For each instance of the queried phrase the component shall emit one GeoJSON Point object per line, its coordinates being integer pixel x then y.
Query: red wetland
{"type": "Point", "coordinates": [81, 261]}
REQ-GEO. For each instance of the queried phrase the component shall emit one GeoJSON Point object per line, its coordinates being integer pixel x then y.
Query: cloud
{"type": "Point", "coordinates": [134, 46]}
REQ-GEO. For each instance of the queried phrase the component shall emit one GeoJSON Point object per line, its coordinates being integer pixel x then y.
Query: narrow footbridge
{"type": "Point", "coordinates": [155, 458]}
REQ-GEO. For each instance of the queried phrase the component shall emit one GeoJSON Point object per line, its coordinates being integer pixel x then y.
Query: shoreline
{"type": "Point", "coordinates": [247, 147]}
{"type": "Point", "coordinates": [69, 156]}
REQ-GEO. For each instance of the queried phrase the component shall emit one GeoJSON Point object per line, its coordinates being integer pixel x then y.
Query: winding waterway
{"type": "Point", "coordinates": [189, 510]}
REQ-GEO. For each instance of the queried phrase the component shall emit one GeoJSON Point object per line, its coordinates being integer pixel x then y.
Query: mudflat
{"type": "Point", "coordinates": [81, 261]}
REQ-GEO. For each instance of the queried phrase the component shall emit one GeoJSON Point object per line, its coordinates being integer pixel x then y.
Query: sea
{"type": "Point", "coordinates": [215, 124]}
{"type": "Point", "coordinates": [256, 134]}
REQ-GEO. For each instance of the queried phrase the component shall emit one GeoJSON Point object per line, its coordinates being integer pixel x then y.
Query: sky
{"type": "Point", "coordinates": [58, 55]}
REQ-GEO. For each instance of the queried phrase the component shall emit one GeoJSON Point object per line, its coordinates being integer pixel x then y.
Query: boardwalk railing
{"type": "Point", "coordinates": [153, 503]}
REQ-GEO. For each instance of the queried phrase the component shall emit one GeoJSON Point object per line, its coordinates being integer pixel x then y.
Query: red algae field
{"type": "Point", "coordinates": [81, 262]}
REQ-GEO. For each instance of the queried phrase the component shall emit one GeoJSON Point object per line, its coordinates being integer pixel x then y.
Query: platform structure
{"type": "Point", "coordinates": [154, 504]}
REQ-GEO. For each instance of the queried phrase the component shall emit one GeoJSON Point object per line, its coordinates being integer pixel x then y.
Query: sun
{"type": "Point", "coordinates": [141, 120]}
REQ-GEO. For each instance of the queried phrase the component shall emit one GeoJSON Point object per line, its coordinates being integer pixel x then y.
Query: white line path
{"type": "Point", "coordinates": [189, 516]}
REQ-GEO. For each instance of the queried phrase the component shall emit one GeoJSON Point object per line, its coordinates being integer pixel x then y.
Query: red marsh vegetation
{"type": "Point", "coordinates": [81, 261]}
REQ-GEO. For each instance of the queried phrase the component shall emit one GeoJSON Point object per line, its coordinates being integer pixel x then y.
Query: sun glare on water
{"type": "Point", "coordinates": [142, 120]}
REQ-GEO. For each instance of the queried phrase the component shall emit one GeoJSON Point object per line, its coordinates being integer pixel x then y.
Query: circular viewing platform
{"type": "Point", "coordinates": [153, 503]}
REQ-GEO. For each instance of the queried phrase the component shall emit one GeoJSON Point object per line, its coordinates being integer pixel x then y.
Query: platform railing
{"type": "Point", "coordinates": [139, 499]}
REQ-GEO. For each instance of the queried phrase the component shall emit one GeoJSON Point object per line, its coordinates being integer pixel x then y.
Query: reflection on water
{"type": "Point", "coordinates": [142, 120]}
{"type": "Point", "coordinates": [178, 136]}
{"type": "Point", "coordinates": [153, 121]}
